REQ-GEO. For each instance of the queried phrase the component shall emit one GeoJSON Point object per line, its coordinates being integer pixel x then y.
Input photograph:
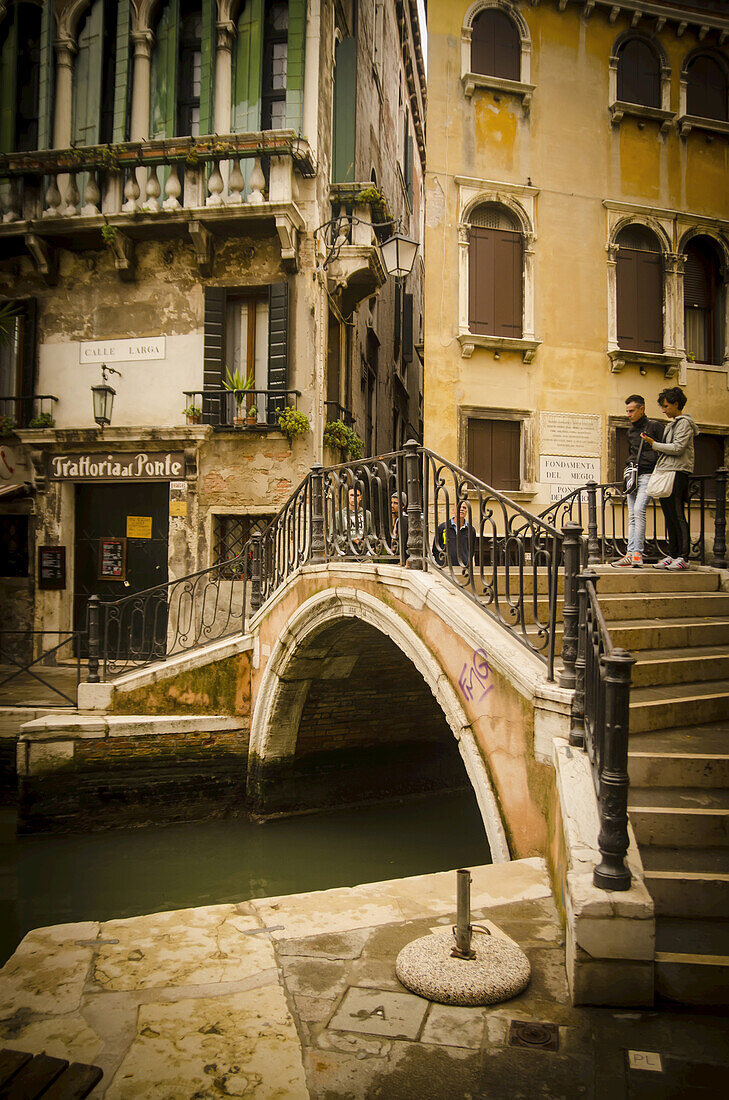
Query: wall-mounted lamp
{"type": "Point", "coordinates": [103, 396]}
{"type": "Point", "coordinates": [398, 255]}
{"type": "Point", "coordinates": [398, 251]}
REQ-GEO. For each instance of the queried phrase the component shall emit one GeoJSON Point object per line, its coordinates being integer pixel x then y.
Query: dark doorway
{"type": "Point", "coordinates": [101, 513]}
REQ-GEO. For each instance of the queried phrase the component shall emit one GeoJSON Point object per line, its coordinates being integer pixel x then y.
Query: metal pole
{"type": "Point", "coordinates": [415, 506]}
{"type": "Point", "coordinates": [93, 613]}
{"type": "Point", "coordinates": [593, 543]}
{"type": "Point", "coordinates": [462, 931]}
{"type": "Point", "coordinates": [255, 571]}
{"type": "Point", "coordinates": [571, 543]}
{"type": "Point", "coordinates": [318, 547]}
{"type": "Point", "coordinates": [612, 874]}
{"type": "Point", "coordinates": [720, 560]}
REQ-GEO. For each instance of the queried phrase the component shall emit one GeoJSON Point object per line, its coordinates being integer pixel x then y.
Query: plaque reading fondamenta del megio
{"type": "Point", "coordinates": [570, 434]}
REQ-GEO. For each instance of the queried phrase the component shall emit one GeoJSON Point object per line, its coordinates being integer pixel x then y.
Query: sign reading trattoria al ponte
{"type": "Point", "coordinates": [118, 466]}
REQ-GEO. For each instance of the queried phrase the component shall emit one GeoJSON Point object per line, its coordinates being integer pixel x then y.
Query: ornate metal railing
{"type": "Point", "coordinates": [603, 511]}
{"type": "Point", "coordinates": [503, 557]}
{"type": "Point", "coordinates": [21, 412]}
{"type": "Point", "coordinates": [237, 409]}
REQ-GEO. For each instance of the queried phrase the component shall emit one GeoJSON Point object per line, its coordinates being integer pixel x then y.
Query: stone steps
{"type": "Point", "coordinates": [660, 708]}
{"type": "Point", "coordinates": [686, 817]}
{"type": "Point", "coordinates": [689, 894]}
{"type": "Point", "coordinates": [612, 580]}
{"type": "Point", "coordinates": [655, 634]}
{"type": "Point", "coordinates": [692, 959]}
{"type": "Point", "coordinates": [626, 607]}
{"type": "Point", "coordinates": [658, 667]}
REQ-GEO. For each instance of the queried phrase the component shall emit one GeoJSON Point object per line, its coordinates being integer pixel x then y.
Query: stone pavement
{"type": "Point", "coordinates": [296, 997]}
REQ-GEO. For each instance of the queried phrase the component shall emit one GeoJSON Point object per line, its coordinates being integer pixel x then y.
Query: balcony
{"type": "Point", "coordinates": [354, 266]}
{"type": "Point", "coordinates": [334, 411]}
{"type": "Point", "coordinates": [26, 412]}
{"type": "Point", "coordinates": [115, 195]}
{"type": "Point", "coordinates": [238, 410]}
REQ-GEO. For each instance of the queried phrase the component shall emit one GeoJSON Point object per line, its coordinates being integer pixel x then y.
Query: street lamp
{"type": "Point", "coordinates": [103, 396]}
{"type": "Point", "coordinates": [398, 255]}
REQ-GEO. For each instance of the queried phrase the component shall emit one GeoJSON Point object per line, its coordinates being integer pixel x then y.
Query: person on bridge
{"type": "Point", "coordinates": [643, 458]}
{"type": "Point", "coordinates": [354, 522]}
{"type": "Point", "coordinates": [456, 545]}
{"type": "Point", "coordinates": [398, 505]}
{"type": "Point", "coordinates": [676, 456]}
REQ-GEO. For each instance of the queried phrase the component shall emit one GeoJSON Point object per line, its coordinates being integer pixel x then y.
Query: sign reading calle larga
{"type": "Point", "coordinates": [120, 466]}
{"type": "Point", "coordinates": [122, 351]}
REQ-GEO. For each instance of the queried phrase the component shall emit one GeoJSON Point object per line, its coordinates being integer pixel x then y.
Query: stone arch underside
{"type": "Point", "coordinates": [350, 693]}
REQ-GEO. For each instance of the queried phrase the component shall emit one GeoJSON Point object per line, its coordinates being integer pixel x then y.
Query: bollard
{"type": "Point", "coordinates": [415, 506]}
{"type": "Point", "coordinates": [318, 545]}
{"type": "Point", "coordinates": [93, 622]}
{"type": "Point", "coordinates": [720, 559]}
{"type": "Point", "coordinates": [462, 931]}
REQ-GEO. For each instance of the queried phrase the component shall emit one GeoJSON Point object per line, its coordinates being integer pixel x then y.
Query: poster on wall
{"type": "Point", "coordinates": [139, 527]}
{"type": "Point", "coordinates": [112, 559]}
{"type": "Point", "coordinates": [52, 567]}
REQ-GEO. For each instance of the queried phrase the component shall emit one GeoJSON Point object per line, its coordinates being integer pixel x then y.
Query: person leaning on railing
{"type": "Point", "coordinates": [675, 455]}
{"type": "Point", "coordinates": [643, 459]}
{"type": "Point", "coordinates": [455, 545]}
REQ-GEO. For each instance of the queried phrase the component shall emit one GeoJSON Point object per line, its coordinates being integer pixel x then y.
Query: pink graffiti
{"type": "Point", "coordinates": [474, 678]}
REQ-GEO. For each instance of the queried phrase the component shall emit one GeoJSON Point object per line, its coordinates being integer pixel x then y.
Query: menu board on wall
{"type": "Point", "coordinates": [52, 567]}
{"type": "Point", "coordinates": [112, 559]}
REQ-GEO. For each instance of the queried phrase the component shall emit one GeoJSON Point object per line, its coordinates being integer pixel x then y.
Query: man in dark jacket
{"type": "Point", "coordinates": [459, 543]}
{"type": "Point", "coordinates": [646, 459]}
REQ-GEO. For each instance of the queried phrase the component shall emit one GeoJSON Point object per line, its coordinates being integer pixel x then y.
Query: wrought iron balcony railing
{"type": "Point", "coordinates": [30, 411]}
{"type": "Point", "coordinates": [238, 409]}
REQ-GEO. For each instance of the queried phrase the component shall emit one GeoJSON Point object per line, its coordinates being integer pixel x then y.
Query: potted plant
{"type": "Point", "coordinates": [237, 383]}
{"type": "Point", "coordinates": [251, 416]}
{"type": "Point", "coordinates": [293, 423]}
{"type": "Point", "coordinates": [43, 420]}
{"type": "Point", "coordinates": [340, 436]}
{"type": "Point", "coordinates": [193, 413]}
{"type": "Point", "coordinates": [7, 425]}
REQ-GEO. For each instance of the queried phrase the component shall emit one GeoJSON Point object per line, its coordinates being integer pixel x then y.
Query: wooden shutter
{"type": "Point", "coordinates": [706, 89]}
{"type": "Point", "coordinates": [640, 300]}
{"type": "Point", "coordinates": [407, 328]}
{"type": "Point", "coordinates": [495, 282]}
{"type": "Point", "coordinates": [344, 111]}
{"type": "Point", "coordinates": [47, 75]}
{"type": "Point", "coordinates": [698, 288]}
{"type": "Point", "coordinates": [29, 364]}
{"type": "Point", "coordinates": [278, 345]}
{"type": "Point", "coordinates": [295, 65]}
{"type": "Point", "coordinates": [8, 81]}
{"type": "Point", "coordinates": [494, 452]}
{"type": "Point", "coordinates": [639, 78]}
{"type": "Point", "coordinates": [122, 79]}
{"type": "Point", "coordinates": [87, 79]}
{"type": "Point", "coordinates": [207, 66]}
{"type": "Point", "coordinates": [495, 46]}
{"type": "Point", "coordinates": [163, 106]}
{"type": "Point", "coordinates": [397, 327]}
{"type": "Point", "coordinates": [214, 338]}
{"type": "Point", "coordinates": [409, 168]}
{"type": "Point", "coordinates": [247, 57]}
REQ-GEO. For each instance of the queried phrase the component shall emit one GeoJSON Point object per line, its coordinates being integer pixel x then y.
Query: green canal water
{"type": "Point", "coordinates": [122, 873]}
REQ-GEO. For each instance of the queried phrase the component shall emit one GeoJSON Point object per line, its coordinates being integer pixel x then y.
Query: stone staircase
{"type": "Point", "coordinates": [677, 626]}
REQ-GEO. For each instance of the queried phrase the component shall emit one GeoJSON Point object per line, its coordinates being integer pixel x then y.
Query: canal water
{"type": "Point", "coordinates": [125, 872]}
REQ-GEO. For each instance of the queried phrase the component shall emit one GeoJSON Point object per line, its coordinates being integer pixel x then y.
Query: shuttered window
{"type": "Point", "coordinates": [495, 46]}
{"type": "Point", "coordinates": [495, 259]}
{"type": "Point", "coordinates": [703, 296]}
{"type": "Point", "coordinates": [345, 55]}
{"type": "Point", "coordinates": [639, 291]}
{"type": "Point", "coordinates": [639, 77]}
{"type": "Point", "coordinates": [494, 452]}
{"type": "Point", "coordinates": [20, 50]}
{"type": "Point", "coordinates": [278, 345]}
{"type": "Point", "coordinates": [275, 65]}
{"type": "Point", "coordinates": [18, 360]}
{"type": "Point", "coordinates": [706, 89]}
{"type": "Point", "coordinates": [246, 106]}
{"type": "Point", "coordinates": [183, 62]}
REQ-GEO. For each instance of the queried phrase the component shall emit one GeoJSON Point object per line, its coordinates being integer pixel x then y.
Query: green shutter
{"type": "Point", "coordinates": [87, 75]}
{"type": "Point", "coordinates": [344, 111]}
{"type": "Point", "coordinates": [46, 90]}
{"type": "Point", "coordinates": [163, 106]}
{"type": "Point", "coordinates": [247, 59]}
{"type": "Point", "coordinates": [295, 65]}
{"type": "Point", "coordinates": [207, 66]}
{"type": "Point", "coordinates": [122, 72]}
{"type": "Point", "coordinates": [8, 83]}
{"type": "Point", "coordinates": [278, 346]}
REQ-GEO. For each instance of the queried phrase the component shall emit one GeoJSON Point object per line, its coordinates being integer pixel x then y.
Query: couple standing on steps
{"type": "Point", "coordinates": [663, 457]}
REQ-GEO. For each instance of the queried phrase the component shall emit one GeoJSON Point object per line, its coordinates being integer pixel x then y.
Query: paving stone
{"type": "Point", "coordinates": [380, 1012]}
{"type": "Point", "coordinates": [341, 945]}
{"type": "Point", "coordinates": [451, 1026]}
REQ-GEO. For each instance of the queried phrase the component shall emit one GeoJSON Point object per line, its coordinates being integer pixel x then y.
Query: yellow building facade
{"type": "Point", "coordinates": [577, 232]}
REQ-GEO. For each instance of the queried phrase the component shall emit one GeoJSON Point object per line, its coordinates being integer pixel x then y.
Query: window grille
{"type": "Point", "coordinates": [230, 534]}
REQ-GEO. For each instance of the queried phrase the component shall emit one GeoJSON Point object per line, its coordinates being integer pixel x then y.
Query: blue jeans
{"type": "Point", "coordinates": [637, 504]}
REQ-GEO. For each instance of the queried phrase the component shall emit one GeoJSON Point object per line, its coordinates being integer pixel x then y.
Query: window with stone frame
{"type": "Point", "coordinates": [639, 73]}
{"type": "Point", "coordinates": [495, 45]}
{"type": "Point", "coordinates": [230, 535]}
{"type": "Point", "coordinates": [495, 272]}
{"type": "Point", "coordinates": [640, 287]}
{"type": "Point", "coordinates": [14, 556]}
{"type": "Point", "coordinates": [704, 293]}
{"type": "Point", "coordinates": [707, 88]}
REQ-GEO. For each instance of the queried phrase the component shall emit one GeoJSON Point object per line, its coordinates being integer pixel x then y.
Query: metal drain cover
{"type": "Point", "coordinates": [534, 1036]}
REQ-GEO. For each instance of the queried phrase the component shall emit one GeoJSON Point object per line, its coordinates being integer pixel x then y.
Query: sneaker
{"type": "Point", "coordinates": [663, 564]}
{"type": "Point", "coordinates": [626, 562]}
{"type": "Point", "coordinates": [637, 560]}
{"type": "Point", "coordinates": [678, 563]}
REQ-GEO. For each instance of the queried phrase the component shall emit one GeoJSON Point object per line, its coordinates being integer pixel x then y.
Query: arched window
{"type": "Point", "coordinates": [189, 69]}
{"type": "Point", "coordinates": [496, 263]}
{"type": "Point", "coordinates": [20, 38]}
{"type": "Point", "coordinates": [703, 301]}
{"type": "Point", "coordinates": [495, 45]}
{"type": "Point", "coordinates": [93, 75]}
{"type": "Point", "coordinates": [275, 63]}
{"type": "Point", "coordinates": [183, 59]}
{"type": "Point", "coordinates": [639, 75]}
{"type": "Point", "coordinates": [706, 89]}
{"type": "Point", "coordinates": [639, 290]}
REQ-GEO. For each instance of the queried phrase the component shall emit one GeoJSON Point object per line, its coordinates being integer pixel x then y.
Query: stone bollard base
{"type": "Point", "coordinates": [500, 969]}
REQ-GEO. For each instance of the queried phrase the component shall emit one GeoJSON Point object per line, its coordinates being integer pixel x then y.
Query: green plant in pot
{"type": "Point", "coordinates": [293, 423]}
{"type": "Point", "coordinates": [238, 383]}
{"type": "Point", "coordinates": [193, 413]}
{"type": "Point", "coordinates": [43, 420]}
{"type": "Point", "coordinates": [7, 425]}
{"type": "Point", "coordinates": [336, 435]}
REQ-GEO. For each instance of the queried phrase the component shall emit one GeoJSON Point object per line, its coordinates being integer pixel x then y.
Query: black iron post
{"type": "Point", "coordinates": [571, 549]}
{"type": "Point", "coordinates": [577, 717]}
{"type": "Point", "coordinates": [318, 547]}
{"type": "Point", "coordinates": [93, 619]}
{"type": "Point", "coordinates": [593, 543]}
{"type": "Point", "coordinates": [612, 874]}
{"type": "Point", "coordinates": [415, 506]}
{"type": "Point", "coordinates": [255, 571]}
{"type": "Point", "coordinates": [720, 560]}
